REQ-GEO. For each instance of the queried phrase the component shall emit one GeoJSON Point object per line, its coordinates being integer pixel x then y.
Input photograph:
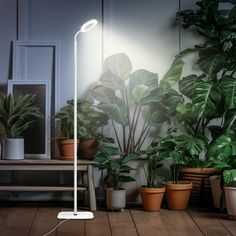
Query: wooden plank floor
{"type": "Point", "coordinates": [32, 219]}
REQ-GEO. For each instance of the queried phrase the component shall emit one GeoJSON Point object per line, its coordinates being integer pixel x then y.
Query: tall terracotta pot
{"type": "Point", "coordinates": [177, 195]}
{"type": "Point", "coordinates": [151, 198]}
{"type": "Point", "coordinates": [201, 192]}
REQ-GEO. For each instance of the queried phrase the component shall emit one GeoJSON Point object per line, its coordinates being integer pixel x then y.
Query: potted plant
{"type": "Point", "coordinates": [223, 151]}
{"type": "Point", "coordinates": [16, 115]}
{"type": "Point", "coordinates": [229, 177]}
{"type": "Point", "coordinates": [137, 103]}
{"type": "Point", "coordinates": [152, 193]}
{"type": "Point", "coordinates": [207, 109]}
{"type": "Point", "coordinates": [116, 164]}
{"type": "Point", "coordinates": [177, 192]}
{"type": "Point", "coordinates": [89, 122]}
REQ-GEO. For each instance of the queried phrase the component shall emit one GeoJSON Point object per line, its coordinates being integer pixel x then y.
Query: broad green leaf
{"type": "Point", "coordinates": [139, 92]}
{"type": "Point", "coordinates": [193, 145]}
{"type": "Point", "coordinates": [211, 60]}
{"type": "Point", "coordinates": [116, 110]}
{"type": "Point", "coordinates": [230, 120]}
{"type": "Point", "coordinates": [119, 65]}
{"type": "Point", "coordinates": [229, 176]}
{"type": "Point", "coordinates": [207, 98]}
{"type": "Point", "coordinates": [187, 85]}
{"type": "Point", "coordinates": [102, 94]}
{"type": "Point", "coordinates": [124, 179]}
{"type": "Point", "coordinates": [185, 110]}
{"type": "Point", "coordinates": [130, 157]}
{"type": "Point", "coordinates": [228, 88]}
{"type": "Point", "coordinates": [112, 81]}
{"type": "Point", "coordinates": [171, 99]}
{"type": "Point", "coordinates": [173, 75]}
{"type": "Point", "coordinates": [223, 145]}
{"type": "Point", "coordinates": [159, 114]}
{"type": "Point", "coordinates": [177, 157]}
{"type": "Point", "coordinates": [154, 96]}
{"type": "Point", "coordinates": [159, 117]}
{"type": "Point", "coordinates": [144, 77]}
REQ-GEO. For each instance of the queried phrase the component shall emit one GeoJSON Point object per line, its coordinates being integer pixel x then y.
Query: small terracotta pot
{"type": "Point", "coordinates": [88, 149]}
{"type": "Point", "coordinates": [151, 198]}
{"type": "Point", "coordinates": [66, 149]}
{"type": "Point", "coordinates": [177, 195]}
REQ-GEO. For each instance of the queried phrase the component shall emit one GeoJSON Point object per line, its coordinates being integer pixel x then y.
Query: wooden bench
{"type": "Point", "coordinates": [51, 165]}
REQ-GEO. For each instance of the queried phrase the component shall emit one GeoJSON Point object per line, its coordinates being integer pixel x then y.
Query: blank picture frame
{"type": "Point", "coordinates": [37, 137]}
{"type": "Point", "coordinates": [35, 61]}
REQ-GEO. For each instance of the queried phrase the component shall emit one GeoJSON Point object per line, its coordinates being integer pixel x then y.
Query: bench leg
{"type": "Point", "coordinates": [91, 190]}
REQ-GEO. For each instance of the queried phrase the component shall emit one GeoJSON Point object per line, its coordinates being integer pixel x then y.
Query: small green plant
{"type": "Point", "coordinates": [65, 120]}
{"type": "Point", "coordinates": [17, 115]}
{"type": "Point", "coordinates": [116, 164]}
{"type": "Point", "coordinates": [89, 120]}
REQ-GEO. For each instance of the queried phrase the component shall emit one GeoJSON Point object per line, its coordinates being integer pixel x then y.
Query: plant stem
{"type": "Point", "coordinates": [116, 135]}
{"type": "Point", "coordinates": [198, 123]}
{"type": "Point", "coordinates": [232, 73]}
{"type": "Point", "coordinates": [130, 130]}
{"type": "Point", "coordinates": [141, 143]}
{"type": "Point", "coordinates": [141, 136]}
{"type": "Point", "coordinates": [135, 126]}
{"type": "Point", "coordinates": [142, 132]}
{"type": "Point", "coordinates": [125, 97]}
{"type": "Point", "coordinates": [124, 138]}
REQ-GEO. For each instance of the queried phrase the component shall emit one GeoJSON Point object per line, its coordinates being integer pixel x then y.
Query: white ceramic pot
{"type": "Point", "coordinates": [216, 190]}
{"type": "Point", "coordinates": [13, 149]}
{"type": "Point", "coordinates": [230, 197]}
{"type": "Point", "coordinates": [116, 199]}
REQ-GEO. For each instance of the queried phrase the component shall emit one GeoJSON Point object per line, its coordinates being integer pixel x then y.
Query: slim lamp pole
{"type": "Point", "coordinates": [75, 214]}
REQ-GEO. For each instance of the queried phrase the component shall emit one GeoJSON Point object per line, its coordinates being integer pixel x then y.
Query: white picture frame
{"type": "Point", "coordinates": [46, 86]}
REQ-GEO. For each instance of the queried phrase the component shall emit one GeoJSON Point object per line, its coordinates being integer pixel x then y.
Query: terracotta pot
{"type": "Point", "coordinates": [201, 192]}
{"type": "Point", "coordinates": [177, 195]}
{"type": "Point", "coordinates": [66, 148]}
{"type": "Point", "coordinates": [151, 198]}
{"type": "Point", "coordinates": [88, 149]}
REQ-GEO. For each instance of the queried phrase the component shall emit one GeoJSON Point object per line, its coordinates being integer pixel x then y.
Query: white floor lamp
{"type": "Point", "coordinates": [75, 214]}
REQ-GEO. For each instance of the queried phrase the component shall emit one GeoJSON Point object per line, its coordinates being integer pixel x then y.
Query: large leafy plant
{"type": "Point", "coordinates": [207, 114]}
{"type": "Point", "coordinates": [136, 101]}
{"type": "Point", "coordinates": [17, 115]}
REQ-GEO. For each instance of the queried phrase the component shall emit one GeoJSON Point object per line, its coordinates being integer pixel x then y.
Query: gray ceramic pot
{"type": "Point", "coordinates": [13, 149]}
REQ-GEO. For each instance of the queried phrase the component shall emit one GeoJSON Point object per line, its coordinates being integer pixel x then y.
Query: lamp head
{"type": "Point", "coordinates": [87, 26]}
